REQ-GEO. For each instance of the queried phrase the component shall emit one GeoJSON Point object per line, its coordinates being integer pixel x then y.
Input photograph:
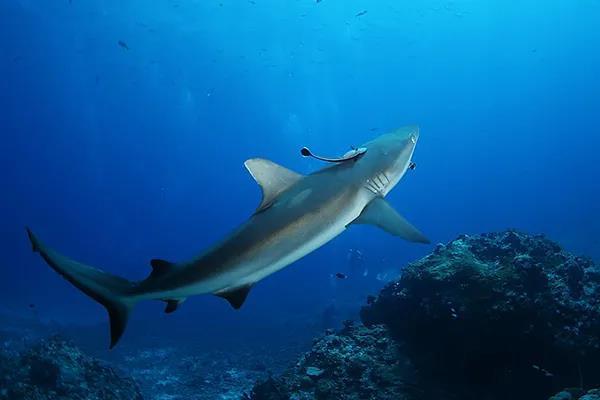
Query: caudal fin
{"type": "Point", "coordinates": [108, 290]}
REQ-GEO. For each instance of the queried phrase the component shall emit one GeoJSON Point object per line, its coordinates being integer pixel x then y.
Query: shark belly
{"type": "Point", "coordinates": [252, 254]}
{"type": "Point", "coordinates": [313, 241]}
{"type": "Point", "coordinates": [323, 223]}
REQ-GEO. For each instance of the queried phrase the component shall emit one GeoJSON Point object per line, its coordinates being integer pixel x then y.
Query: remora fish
{"type": "Point", "coordinates": [297, 215]}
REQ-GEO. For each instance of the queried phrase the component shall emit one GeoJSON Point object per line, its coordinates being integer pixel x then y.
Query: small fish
{"type": "Point", "coordinates": [340, 275]}
{"type": "Point", "coordinates": [361, 13]}
{"type": "Point", "coordinates": [546, 373]}
{"type": "Point", "coordinates": [123, 45]}
{"type": "Point", "coordinates": [32, 306]}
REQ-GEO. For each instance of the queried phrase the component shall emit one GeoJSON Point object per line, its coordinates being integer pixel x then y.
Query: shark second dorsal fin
{"type": "Point", "coordinates": [380, 213]}
{"type": "Point", "coordinates": [160, 267]}
{"type": "Point", "coordinates": [235, 297]}
{"type": "Point", "coordinates": [272, 178]}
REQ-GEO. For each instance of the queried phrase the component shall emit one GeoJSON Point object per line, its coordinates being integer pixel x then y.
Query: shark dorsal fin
{"type": "Point", "coordinates": [235, 297]}
{"type": "Point", "coordinates": [272, 178]}
{"type": "Point", "coordinates": [160, 267]}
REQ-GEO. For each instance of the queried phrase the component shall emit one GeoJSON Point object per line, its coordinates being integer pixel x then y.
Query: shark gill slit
{"type": "Point", "coordinates": [371, 187]}
{"type": "Point", "coordinates": [378, 184]}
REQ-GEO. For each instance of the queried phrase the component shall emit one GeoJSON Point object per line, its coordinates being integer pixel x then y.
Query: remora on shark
{"type": "Point", "coordinates": [297, 215]}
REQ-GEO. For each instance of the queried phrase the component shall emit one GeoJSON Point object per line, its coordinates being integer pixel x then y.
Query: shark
{"type": "Point", "coordinates": [297, 214]}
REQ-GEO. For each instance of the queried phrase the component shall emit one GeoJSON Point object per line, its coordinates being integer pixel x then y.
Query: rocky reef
{"type": "Point", "coordinates": [54, 369]}
{"type": "Point", "coordinates": [577, 394]}
{"type": "Point", "coordinates": [502, 315]}
{"type": "Point", "coordinates": [493, 316]}
{"type": "Point", "coordinates": [186, 372]}
{"type": "Point", "coordinates": [354, 363]}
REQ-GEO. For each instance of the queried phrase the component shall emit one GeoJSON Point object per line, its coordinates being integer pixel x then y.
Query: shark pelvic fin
{"type": "Point", "coordinates": [173, 305]}
{"type": "Point", "coordinates": [235, 297]}
{"type": "Point", "coordinates": [380, 213]}
{"type": "Point", "coordinates": [272, 178]}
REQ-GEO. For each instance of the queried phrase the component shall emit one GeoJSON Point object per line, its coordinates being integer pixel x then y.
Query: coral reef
{"type": "Point", "coordinates": [494, 316]}
{"type": "Point", "coordinates": [577, 394]}
{"type": "Point", "coordinates": [55, 370]}
{"type": "Point", "coordinates": [503, 315]}
{"type": "Point", "coordinates": [355, 363]}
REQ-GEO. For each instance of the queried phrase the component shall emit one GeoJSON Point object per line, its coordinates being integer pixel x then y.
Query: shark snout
{"type": "Point", "coordinates": [413, 134]}
{"type": "Point", "coordinates": [410, 133]}
{"type": "Point", "coordinates": [416, 134]}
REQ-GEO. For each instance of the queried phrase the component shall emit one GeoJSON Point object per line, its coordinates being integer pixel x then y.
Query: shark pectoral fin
{"type": "Point", "coordinates": [380, 213]}
{"type": "Point", "coordinates": [235, 297]}
{"type": "Point", "coordinates": [272, 178]}
{"type": "Point", "coordinates": [173, 305]}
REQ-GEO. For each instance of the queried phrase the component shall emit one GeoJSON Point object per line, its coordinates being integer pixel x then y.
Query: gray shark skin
{"type": "Point", "coordinates": [297, 215]}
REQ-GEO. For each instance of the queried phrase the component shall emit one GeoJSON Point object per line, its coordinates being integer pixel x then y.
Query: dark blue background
{"type": "Point", "coordinates": [116, 156]}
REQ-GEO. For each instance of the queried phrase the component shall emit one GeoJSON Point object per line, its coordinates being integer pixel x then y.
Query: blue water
{"type": "Point", "coordinates": [116, 156]}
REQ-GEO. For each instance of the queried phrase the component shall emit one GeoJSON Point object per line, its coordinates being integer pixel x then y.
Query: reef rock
{"type": "Point", "coordinates": [496, 316]}
{"type": "Point", "coordinates": [56, 370]}
{"type": "Point", "coordinates": [577, 394]}
{"type": "Point", "coordinates": [356, 363]}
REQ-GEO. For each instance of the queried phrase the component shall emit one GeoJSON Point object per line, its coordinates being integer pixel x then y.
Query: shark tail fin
{"type": "Point", "coordinates": [109, 290]}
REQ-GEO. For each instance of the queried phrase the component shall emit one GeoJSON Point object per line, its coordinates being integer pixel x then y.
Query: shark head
{"type": "Point", "coordinates": [388, 157]}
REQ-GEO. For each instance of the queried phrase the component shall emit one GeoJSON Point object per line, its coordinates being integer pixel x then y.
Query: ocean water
{"type": "Point", "coordinates": [125, 126]}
